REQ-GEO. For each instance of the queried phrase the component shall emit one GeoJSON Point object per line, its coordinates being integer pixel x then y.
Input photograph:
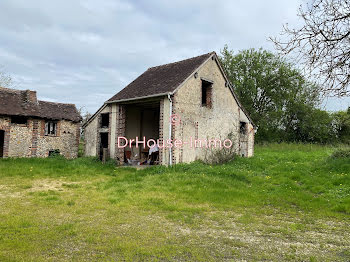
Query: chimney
{"type": "Point", "coordinates": [30, 97]}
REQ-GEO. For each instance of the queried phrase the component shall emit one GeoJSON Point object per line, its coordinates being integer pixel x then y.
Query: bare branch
{"type": "Point", "coordinates": [322, 44]}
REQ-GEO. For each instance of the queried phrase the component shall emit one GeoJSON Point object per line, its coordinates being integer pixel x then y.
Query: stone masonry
{"type": "Point", "coordinates": [25, 123]}
{"type": "Point", "coordinates": [29, 140]}
{"type": "Point", "coordinates": [197, 92]}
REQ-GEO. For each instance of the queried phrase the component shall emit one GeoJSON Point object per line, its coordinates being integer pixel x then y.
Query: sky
{"type": "Point", "coordinates": [84, 52]}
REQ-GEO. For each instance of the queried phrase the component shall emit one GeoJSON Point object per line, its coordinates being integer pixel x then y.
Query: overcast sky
{"type": "Point", "coordinates": [84, 52]}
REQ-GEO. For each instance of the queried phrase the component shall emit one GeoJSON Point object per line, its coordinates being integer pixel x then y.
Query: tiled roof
{"type": "Point", "coordinates": [24, 103]}
{"type": "Point", "coordinates": [160, 79]}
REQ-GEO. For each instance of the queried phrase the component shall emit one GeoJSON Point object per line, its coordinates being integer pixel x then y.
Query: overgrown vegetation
{"type": "Point", "coordinates": [342, 126]}
{"type": "Point", "coordinates": [288, 202]}
{"type": "Point", "coordinates": [222, 155]}
{"type": "Point", "coordinates": [342, 153]}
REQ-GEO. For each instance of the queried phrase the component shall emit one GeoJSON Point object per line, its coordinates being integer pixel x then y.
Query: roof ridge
{"type": "Point", "coordinates": [22, 91]}
{"type": "Point", "coordinates": [56, 102]}
{"type": "Point", "coordinates": [15, 102]}
{"type": "Point", "coordinates": [161, 79]}
{"type": "Point", "coordinates": [172, 63]}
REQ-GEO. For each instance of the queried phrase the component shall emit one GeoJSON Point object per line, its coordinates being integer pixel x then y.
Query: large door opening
{"type": "Point", "coordinates": [2, 142]}
{"type": "Point", "coordinates": [142, 121]}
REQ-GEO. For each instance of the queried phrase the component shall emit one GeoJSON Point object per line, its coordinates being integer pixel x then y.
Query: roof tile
{"type": "Point", "coordinates": [24, 103]}
{"type": "Point", "coordinates": [160, 79]}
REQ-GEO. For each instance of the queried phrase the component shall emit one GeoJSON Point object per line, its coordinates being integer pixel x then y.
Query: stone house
{"type": "Point", "coordinates": [34, 128]}
{"type": "Point", "coordinates": [188, 101]}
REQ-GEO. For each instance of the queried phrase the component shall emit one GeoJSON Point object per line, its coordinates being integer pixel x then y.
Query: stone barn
{"type": "Point", "coordinates": [34, 128]}
{"type": "Point", "coordinates": [184, 106]}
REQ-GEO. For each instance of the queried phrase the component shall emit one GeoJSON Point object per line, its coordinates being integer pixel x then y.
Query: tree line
{"type": "Point", "coordinates": [282, 102]}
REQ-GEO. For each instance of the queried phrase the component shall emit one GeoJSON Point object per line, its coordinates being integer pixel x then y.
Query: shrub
{"type": "Point", "coordinates": [216, 156]}
{"type": "Point", "coordinates": [341, 153]}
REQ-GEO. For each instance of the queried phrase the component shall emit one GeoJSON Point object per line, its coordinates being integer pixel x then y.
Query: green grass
{"type": "Point", "coordinates": [288, 202]}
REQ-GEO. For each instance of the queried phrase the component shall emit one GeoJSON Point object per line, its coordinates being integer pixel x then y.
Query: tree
{"type": "Point", "coordinates": [271, 90]}
{"type": "Point", "coordinates": [322, 43]}
{"type": "Point", "coordinates": [342, 125]}
{"type": "Point", "coordinates": [84, 114]}
{"type": "Point", "coordinates": [305, 123]}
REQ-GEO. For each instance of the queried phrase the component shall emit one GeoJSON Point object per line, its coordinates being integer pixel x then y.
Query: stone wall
{"type": "Point", "coordinates": [29, 140]}
{"type": "Point", "coordinates": [90, 136]}
{"type": "Point", "coordinates": [66, 141]}
{"type": "Point", "coordinates": [116, 128]}
{"type": "Point", "coordinates": [251, 135]}
{"type": "Point", "coordinates": [164, 120]}
{"type": "Point", "coordinates": [21, 139]}
{"type": "Point", "coordinates": [112, 130]}
{"type": "Point", "coordinates": [201, 122]}
{"type": "Point", "coordinates": [221, 117]}
{"type": "Point", "coordinates": [120, 131]}
{"type": "Point", "coordinates": [5, 126]}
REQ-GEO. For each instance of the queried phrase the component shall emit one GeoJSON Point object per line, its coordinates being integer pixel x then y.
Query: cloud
{"type": "Point", "coordinates": [84, 52]}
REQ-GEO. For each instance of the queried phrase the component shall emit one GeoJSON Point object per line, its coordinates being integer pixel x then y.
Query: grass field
{"type": "Point", "coordinates": [288, 202]}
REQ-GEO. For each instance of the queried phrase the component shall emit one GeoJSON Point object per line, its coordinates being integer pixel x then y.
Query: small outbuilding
{"type": "Point", "coordinates": [34, 128]}
{"type": "Point", "coordinates": [183, 106]}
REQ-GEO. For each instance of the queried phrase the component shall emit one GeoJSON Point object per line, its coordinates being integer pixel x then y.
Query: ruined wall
{"type": "Point", "coordinates": [28, 140]}
{"type": "Point", "coordinates": [201, 122]}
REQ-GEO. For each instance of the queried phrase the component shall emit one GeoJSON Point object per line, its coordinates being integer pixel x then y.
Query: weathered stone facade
{"type": "Point", "coordinates": [92, 133]}
{"type": "Point", "coordinates": [216, 121]}
{"type": "Point", "coordinates": [220, 115]}
{"type": "Point", "coordinates": [34, 128]}
{"type": "Point", "coordinates": [29, 140]}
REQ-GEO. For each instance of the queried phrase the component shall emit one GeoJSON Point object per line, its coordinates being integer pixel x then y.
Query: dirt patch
{"type": "Point", "coordinates": [7, 191]}
{"type": "Point", "coordinates": [46, 185]}
{"type": "Point", "coordinates": [39, 185]}
{"type": "Point", "coordinates": [51, 185]}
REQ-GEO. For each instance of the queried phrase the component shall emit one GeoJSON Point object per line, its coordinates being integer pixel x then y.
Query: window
{"type": "Point", "coordinates": [20, 120]}
{"type": "Point", "coordinates": [53, 153]}
{"type": "Point", "coordinates": [206, 93]}
{"type": "Point", "coordinates": [105, 120]}
{"type": "Point", "coordinates": [50, 128]}
{"type": "Point", "coordinates": [243, 128]}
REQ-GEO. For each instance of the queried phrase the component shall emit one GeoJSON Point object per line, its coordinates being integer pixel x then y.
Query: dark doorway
{"type": "Point", "coordinates": [2, 142]}
{"type": "Point", "coordinates": [103, 143]}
